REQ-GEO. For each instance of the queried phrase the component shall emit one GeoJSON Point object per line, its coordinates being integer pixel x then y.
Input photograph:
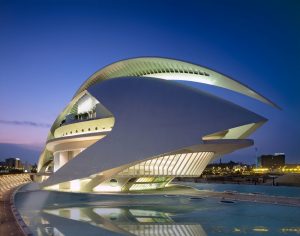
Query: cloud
{"type": "Point", "coordinates": [25, 123]}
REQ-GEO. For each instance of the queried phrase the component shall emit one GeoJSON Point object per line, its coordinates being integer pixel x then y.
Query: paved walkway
{"type": "Point", "coordinates": [8, 224]}
{"type": "Point", "coordinates": [8, 184]}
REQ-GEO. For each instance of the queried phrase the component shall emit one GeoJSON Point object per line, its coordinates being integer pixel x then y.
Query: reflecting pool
{"type": "Point", "coordinates": [243, 188]}
{"type": "Point", "coordinates": [64, 214]}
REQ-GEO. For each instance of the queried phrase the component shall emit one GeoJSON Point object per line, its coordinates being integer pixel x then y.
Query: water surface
{"type": "Point", "coordinates": [243, 188]}
{"type": "Point", "coordinates": [56, 213]}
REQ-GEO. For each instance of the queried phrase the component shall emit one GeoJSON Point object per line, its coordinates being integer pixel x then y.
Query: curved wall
{"type": "Point", "coordinates": [152, 117]}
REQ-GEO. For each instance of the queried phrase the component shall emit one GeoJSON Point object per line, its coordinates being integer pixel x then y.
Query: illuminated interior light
{"type": "Point", "coordinates": [107, 211]}
{"type": "Point", "coordinates": [86, 104]}
{"type": "Point", "coordinates": [260, 229]}
{"type": "Point", "coordinates": [260, 170]}
{"type": "Point", "coordinates": [52, 187]}
{"type": "Point", "coordinates": [107, 188]}
{"type": "Point", "coordinates": [185, 164]}
{"type": "Point", "coordinates": [75, 214]}
{"type": "Point", "coordinates": [75, 185]}
{"type": "Point", "coordinates": [184, 77]}
{"type": "Point", "coordinates": [147, 213]}
{"type": "Point", "coordinates": [236, 230]}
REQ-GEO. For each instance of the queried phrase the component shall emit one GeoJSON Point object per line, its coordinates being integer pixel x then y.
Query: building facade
{"type": "Point", "coordinates": [274, 161]}
{"type": "Point", "coordinates": [133, 126]}
{"type": "Point", "coordinates": [14, 163]}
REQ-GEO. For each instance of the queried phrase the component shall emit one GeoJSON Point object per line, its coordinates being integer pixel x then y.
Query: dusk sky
{"type": "Point", "coordinates": [49, 48]}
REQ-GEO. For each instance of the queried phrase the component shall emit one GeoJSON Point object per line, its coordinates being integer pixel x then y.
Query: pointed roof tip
{"type": "Point", "coordinates": [276, 106]}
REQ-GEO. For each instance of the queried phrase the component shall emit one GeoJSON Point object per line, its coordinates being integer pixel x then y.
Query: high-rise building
{"type": "Point", "coordinates": [13, 163]}
{"type": "Point", "coordinates": [274, 161]}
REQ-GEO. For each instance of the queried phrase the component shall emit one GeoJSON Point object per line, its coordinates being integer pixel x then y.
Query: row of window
{"type": "Point", "coordinates": [76, 131]}
{"type": "Point", "coordinates": [182, 164]}
{"type": "Point", "coordinates": [170, 70]}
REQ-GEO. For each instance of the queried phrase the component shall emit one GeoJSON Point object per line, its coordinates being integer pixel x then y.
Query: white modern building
{"type": "Point", "coordinates": [132, 126]}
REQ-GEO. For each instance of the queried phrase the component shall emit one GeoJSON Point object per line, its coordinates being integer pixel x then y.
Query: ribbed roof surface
{"type": "Point", "coordinates": [165, 68]}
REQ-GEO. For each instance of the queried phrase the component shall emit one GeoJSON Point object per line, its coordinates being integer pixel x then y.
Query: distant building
{"type": "Point", "coordinates": [291, 168]}
{"type": "Point", "coordinates": [271, 161]}
{"type": "Point", "coordinates": [229, 168]}
{"type": "Point", "coordinates": [13, 163]}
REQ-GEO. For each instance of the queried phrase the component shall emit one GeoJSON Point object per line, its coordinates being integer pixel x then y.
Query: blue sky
{"type": "Point", "coordinates": [48, 49]}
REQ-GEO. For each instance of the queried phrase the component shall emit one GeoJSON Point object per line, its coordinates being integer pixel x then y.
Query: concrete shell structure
{"type": "Point", "coordinates": [131, 126]}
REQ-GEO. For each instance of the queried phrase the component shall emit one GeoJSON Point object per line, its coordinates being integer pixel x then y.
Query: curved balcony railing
{"type": "Point", "coordinates": [85, 127]}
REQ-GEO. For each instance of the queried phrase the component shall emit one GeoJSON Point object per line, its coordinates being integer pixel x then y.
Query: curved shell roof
{"type": "Point", "coordinates": [170, 69]}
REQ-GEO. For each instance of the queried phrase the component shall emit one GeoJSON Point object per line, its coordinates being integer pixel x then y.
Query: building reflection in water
{"type": "Point", "coordinates": [114, 221]}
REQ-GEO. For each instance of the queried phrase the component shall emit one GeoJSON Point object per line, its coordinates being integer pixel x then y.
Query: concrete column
{"type": "Point", "coordinates": [64, 158]}
{"type": "Point", "coordinates": [60, 158]}
{"type": "Point", "coordinates": [56, 161]}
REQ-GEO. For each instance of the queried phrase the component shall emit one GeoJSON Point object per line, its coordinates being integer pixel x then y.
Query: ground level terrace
{"type": "Point", "coordinates": [8, 184]}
